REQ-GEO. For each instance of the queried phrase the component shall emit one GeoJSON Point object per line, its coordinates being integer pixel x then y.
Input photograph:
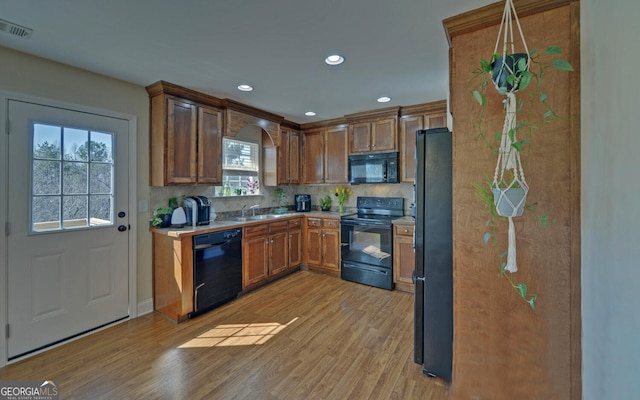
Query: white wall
{"type": "Point", "coordinates": [610, 31]}
{"type": "Point", "coordinates": [22, 73]}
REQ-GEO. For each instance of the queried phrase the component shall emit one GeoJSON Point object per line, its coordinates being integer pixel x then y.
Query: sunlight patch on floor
{"type": "Point", "coordinates": [237, 335]}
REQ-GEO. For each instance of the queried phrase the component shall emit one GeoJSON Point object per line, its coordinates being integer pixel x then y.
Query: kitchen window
{"type": "Point", "coordinates": [240, 168]}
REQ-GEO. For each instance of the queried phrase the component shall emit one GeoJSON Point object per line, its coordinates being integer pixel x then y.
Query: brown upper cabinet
{"type": "Point", "coordinates": [289, 157]}
{"type": "Point", "coordinates": [187, 129]}
{"type": "Point", "coordinates": [186, 135]}
{"type": "Point", "coordinates": [325, 155]}
{"type": "Point", "coordinates": [374, 131]}
{"type": "Point", "coordinates": [185, 140]}
{"type": "Point", "coordinates": [412, 119]}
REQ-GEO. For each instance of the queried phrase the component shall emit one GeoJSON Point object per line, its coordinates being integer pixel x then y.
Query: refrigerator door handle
{"type": "Point", "coordinates": [415, 277]}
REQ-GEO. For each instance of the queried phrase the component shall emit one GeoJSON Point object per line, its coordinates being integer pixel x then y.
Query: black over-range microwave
{"type": "Point", "coordinates": [373, 168]}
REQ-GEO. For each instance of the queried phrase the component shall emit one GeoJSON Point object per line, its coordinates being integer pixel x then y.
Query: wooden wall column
{"type": "Point", "coordinates": [502, 348]}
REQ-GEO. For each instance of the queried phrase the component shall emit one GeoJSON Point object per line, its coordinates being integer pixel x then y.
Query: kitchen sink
{"type": "Point", "coordinates": [261, 217]}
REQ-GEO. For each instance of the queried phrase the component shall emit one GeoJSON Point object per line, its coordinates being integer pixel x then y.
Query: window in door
{"type": "Point", "coordinates": [240, 168]}
{"type": "Point", "coordinates": [71, 178]}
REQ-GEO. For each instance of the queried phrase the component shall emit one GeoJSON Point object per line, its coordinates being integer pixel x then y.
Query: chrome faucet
{"type": "Point", "coordinates": [242, 211]}
{"type": "Point", "coordinates": [253, 209]}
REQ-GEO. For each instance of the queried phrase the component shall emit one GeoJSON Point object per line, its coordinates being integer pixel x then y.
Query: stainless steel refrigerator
{"type": "Point", "coordinates": [433, 274]}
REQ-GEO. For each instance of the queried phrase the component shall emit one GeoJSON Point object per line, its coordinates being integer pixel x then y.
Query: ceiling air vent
{"type": "Point", "coordinates": [15, 29]}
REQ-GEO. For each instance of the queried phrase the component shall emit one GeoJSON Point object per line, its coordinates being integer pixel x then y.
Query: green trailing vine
{"type": "Point", "coordinates": [521, 78]}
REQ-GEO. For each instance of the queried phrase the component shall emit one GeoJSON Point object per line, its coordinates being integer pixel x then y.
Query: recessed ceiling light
{"type": "Point", "coordinates": [309, 113]}
{"type": "Point", "coordinates": [334, 59]}
{"type": "Point", "coordinates": [245, 88]}
{"type": "Point", "coordinates": [384, 99]}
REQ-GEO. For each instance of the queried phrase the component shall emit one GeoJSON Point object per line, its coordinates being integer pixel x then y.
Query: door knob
{"type": "Point", "coordinates": [122, 214]}
{"type": "Point", "coordinates": [122, 228]}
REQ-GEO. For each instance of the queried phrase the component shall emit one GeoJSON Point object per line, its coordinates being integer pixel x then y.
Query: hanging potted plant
{"type": "Point", "coordinates": [511, 72]}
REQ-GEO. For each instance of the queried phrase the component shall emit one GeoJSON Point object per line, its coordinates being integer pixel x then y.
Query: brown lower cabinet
{"type": "Point", "coordinates": [323, 244]}
{"type": "Point", "coordinates": [269, 250]}
{"type": "Point", "coordinates": [173, 276]}
{"type": "Point", "coordinates": [295, 243]}
{"type": "Point", "coordinates": [403, 256]}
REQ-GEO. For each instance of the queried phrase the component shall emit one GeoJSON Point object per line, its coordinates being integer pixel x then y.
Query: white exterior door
{"type": "Point", "coordinates": [67, 231]}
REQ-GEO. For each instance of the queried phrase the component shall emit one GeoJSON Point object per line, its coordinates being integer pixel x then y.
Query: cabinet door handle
{"type": "Point", "coordinates": [406, 231]}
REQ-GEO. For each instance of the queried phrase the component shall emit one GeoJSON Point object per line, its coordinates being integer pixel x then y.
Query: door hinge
{"type": "Point", "coordinates": [7, 228]}
{"type": "Point", "coordinates": [7, 331]}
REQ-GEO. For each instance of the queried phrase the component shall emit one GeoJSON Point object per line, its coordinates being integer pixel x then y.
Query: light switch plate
{"type": "Point", "coordinates": [143, 205]}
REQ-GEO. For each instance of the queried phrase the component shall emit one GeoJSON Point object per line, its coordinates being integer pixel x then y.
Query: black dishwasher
{"type": "Point", "coordinates": [217, 269]}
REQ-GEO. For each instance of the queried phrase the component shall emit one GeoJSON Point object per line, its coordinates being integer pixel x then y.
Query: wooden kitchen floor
{"type": "Point", "coordinates": [306, 336]}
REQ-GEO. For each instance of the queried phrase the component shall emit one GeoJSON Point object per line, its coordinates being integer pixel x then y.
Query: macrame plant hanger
{"type": "Point", "coordinates": [509, 157]}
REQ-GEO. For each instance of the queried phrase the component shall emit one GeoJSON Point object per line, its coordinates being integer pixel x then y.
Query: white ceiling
{"type": "Point", "coordinates": [392, 48]}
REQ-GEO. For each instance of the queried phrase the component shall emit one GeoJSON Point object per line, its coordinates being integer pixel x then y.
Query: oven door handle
{"type": "Point", "coordinates": [358, 223]}
{"type": "Point", "coordinates": [380, 271]}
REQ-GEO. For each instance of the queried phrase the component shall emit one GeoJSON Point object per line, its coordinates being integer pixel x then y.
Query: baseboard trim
{"type": "Point", "coordinates": [145, 307]}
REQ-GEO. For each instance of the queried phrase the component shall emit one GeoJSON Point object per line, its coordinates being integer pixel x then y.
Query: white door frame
{"type": "Point", "coordinates": [5, 96]}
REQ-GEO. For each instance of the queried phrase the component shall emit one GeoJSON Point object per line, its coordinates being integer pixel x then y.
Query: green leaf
{"type": "Point", "coordinates": [522, 289]}
{"type": "Point", "coordinates": [532, 302]}
{"type": "Point", "coordinates": [522, 65]}
{"type": "Point", "coordinates": [548, 114]}
{"type": "Point", "coordinates": [497, 136]}
{"type": "Point", "coordinates": [533, 51]}
{"type": "Point", "coordinates": [562, 65]}
{"type": "Point", "coordinates": [485, 66]}
{"type": "Point", "coordinates": [544, 219]}
{"type": "Point", "coordinates": [479, 98]}
{"type": "Point", "coordinates": [487, 236]}
{"type": "Point", "coordinates": [502, 90]}
{"type": "Point", "coordinates": [543, 97]}
{"type": "Point", "coordinates": [525, 79]}
{"type": "Point", "coordinates": [525, 141]}
{"type": "Point", "coordinates": [553, 50]}
{"type": "Point", "coordinates": [517, 146]}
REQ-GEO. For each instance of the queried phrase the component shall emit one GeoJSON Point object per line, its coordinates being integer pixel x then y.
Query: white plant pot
{"type": "Point", "coordinates": [178, 218]}
{"type": "Point", "coordinates": [513, 198]}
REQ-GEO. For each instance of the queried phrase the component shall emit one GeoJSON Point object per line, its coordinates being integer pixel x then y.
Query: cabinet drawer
{"type": "Point", "coordinates": [315, 222]}
{"type": "Point", "coordinates": [295, 223]}
{"type": "Point", "coordinates": [256, 230]}
{"type": "Point", "coordinates": [331, 223]}
{"type": "Point", "coordinates": [403, 230]}
{"type": "Point", "coordinates": [280, 226]}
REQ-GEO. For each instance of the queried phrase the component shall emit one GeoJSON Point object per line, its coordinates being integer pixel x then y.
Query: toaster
{"type": "Point", "coordinates": [197, 209]}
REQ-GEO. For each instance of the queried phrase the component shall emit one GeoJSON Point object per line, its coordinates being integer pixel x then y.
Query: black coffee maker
{"type": "Point", "coordinates": [303, 202]}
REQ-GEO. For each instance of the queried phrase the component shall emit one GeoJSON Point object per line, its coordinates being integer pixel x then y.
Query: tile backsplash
{"type": "Point", "coordinates": [159, 196]}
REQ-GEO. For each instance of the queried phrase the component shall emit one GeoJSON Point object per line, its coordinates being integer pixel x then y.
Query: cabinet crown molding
{"type": "Point", "coordinates": [389, 112]}
{"type": "Point", "coordinates": [492, 14]}
{"type": "Point", "coordinates": [424, 108]}
{"type": "Point", "coordinates": [163, 87]}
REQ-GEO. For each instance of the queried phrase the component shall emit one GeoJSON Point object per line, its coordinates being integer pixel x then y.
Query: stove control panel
{"type": "Point", "coordinates": [381, 203]}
